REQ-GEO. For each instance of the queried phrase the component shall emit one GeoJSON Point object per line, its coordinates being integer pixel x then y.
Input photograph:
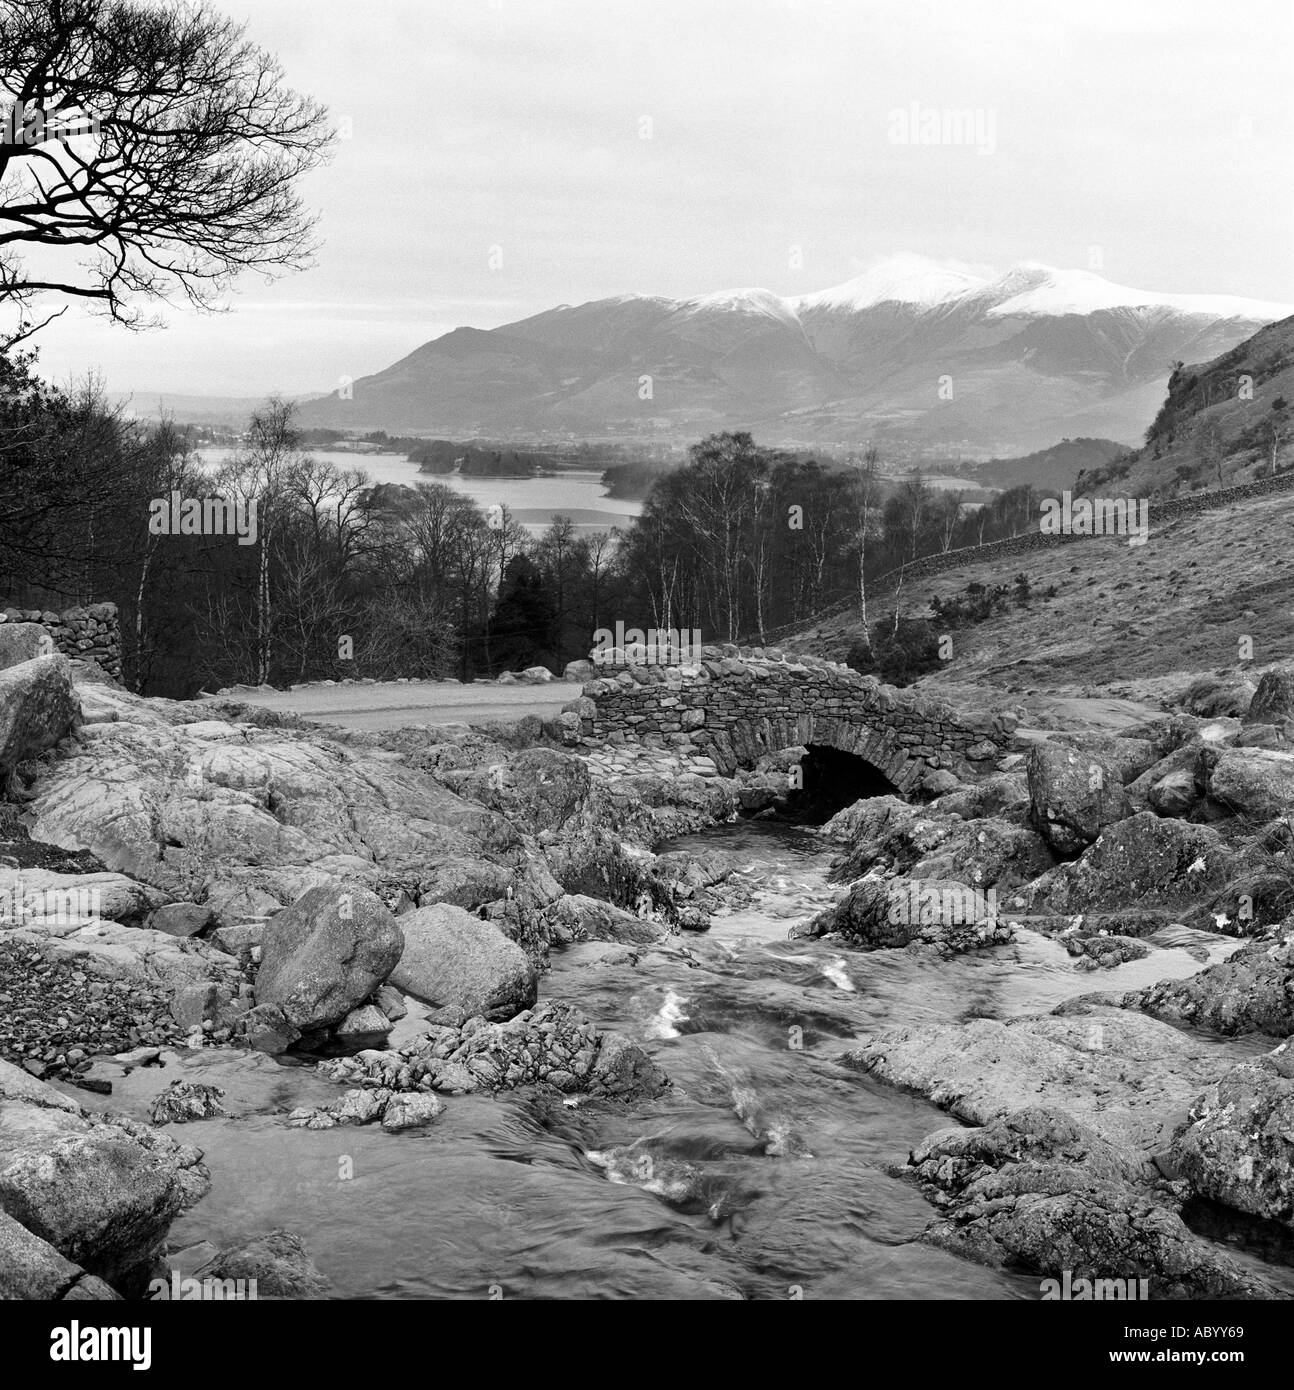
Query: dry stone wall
{"type": "Point", "coordinates": [735, 704]}
{"type": "Point", "coordinates": [92, 633]}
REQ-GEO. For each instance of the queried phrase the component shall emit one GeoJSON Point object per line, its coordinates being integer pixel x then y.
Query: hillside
{"type": "Point", "coordinates": [1132, 622]}
{"type": "Point", "coordinates": [903, 354]}
{"type": "Point", "coordinates": [1223, 422]}
{"type": "Point", "coordinates": [1048, 469]}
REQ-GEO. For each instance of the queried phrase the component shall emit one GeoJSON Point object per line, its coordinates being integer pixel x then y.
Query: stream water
{"type": "Point", "coordinates": [762, 1174]}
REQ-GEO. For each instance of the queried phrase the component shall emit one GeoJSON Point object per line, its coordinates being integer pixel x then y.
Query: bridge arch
{"type": "Point", "coordinates": [737, 705]}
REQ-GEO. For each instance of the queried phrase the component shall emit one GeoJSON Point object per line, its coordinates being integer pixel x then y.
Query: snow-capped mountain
{"type": "Point", "coordinates": [909, 349]}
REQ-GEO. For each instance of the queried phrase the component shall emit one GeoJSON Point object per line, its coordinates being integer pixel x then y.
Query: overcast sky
{"type": "Point", "coordinates": [1159, 132]}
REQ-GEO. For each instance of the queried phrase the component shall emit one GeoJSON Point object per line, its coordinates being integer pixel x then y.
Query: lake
{"type": "Point", "coordinates": [577, 493]}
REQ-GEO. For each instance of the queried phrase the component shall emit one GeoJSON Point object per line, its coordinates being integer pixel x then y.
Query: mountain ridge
{"type": "Point", "coordinates": [909, 352]}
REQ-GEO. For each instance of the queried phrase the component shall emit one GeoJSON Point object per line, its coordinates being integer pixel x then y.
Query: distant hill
{"type": "Point", "coordinates": [1053, 468]}
{"type": "Point", "coordinates": [906, 352]}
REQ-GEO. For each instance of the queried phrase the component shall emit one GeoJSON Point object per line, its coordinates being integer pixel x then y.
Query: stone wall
{"type": "Point", "coordinates": [737, 704]}
{"type": "Point", "coordinates": [83, 634]}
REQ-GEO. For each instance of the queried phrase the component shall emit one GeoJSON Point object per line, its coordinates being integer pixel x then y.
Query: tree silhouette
{"type": "Point", "coordinates": [144, 149]}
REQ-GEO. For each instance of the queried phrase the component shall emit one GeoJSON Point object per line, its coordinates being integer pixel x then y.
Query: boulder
{"type": "Point", "coordinates": [1004, 795]}
{"type": "Point", "coordinates": [1073, 794]}
{"type": "Point", "coordinates": [409, 1109]}
{"type": "Point", "coordinates": [31, 1268]}
{"type": "Point", "coordinates": [1127, 1077]}
{"type": "Point", "coordinates": [1191, 760]}
{"type": "Point", "coordinates": [462, 967]}
{"type": "Point", "coordinates": [326, 954]}
{"type": "Point", "coordinates": [57, 899]}
{"type": "Point", "coordinates": [1238, 1148]}
{"type": "Point", "coordinates": [183, 1101]}
{"type": "Point", "coordinates": [102, 1193]}
{"type": "Point", "coordinates": [38, 707]}
{"type": "Point", "coordinates": [1144, 861]}
{"type": "Point", "coordinates": [266, 1029]}
{"type": "Point", "coordinates": [21, 642]}
{"type": "Point", "coordinates": [1273, 701]}
{"type": "Point", "coordinates": [553, 1043]}
{"type": "Point", "coordinates": [1105, 950]}
{"type": "Point", "coordinates": [1038, 1189]}
{"type": "Point", "coordinates": [465, 881]}
{"type": "Point", "coordinates": [877, 914]}
{"type": "Point", "coordinates": [922, 842]}
{"type": "Point", "coordinates": [592, 919]}
{"type": "Point", "coordinates": [537, 789]}
{"type": "Point", "coordinates": [1228, 694]}
{"type": "Point", "coordinates": [277, 1261]}
{"type": "Point", "coordinates": [391, 1002]}
{"type": "Point", "coordinates": [366, 1022]}
{"type": "Point", "coordinates": [1254, 782]}
{"type": "Point", "coordinates": [1252, 991]}
{"type": "Point", "coordinates": [1174, 795]}
{"type": "Point", "coordinates": [181, 919]}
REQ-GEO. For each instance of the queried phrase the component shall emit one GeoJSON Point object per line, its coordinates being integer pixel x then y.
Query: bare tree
{"type": "Point", "coordinates": [264, 477]}
{"type": "Point", "coordinates": [866, 495]}
{"type": "Point", "coordinates": [152, 143]}
{"type": "Point", "coordinates": [950, 513]}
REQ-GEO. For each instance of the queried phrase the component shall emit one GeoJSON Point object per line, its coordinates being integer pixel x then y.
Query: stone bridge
{"type": "Point", "coordinates": [735, 705]}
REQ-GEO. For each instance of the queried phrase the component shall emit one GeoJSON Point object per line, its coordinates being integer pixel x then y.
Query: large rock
{"type": "Point", "coordinates": [1144, 861]}
{"type": "Point", "coordinates": [538, 789]}
{"type": "Point", "coordinates": [554, 1044]}
{"type": "Point", "coordinates": [1037, 1189]}
{"type": "Point", "coordinates": [30, 1268]}
{"type": "Point", "coordinates": [326, 954]}
{"type": "Point", "coordinates": [592, 919]}
{"type": "Point", "coordinates": [932, 842]}
{"type": "Point", "coordinates": [1073, 794]}
{"type": "Point", "coordinates": [1174, 795]}
{"type": "Point", "coordinates": [277, 1262]}
{"type": "Point", "coordinates": [21, 642]}
{"type": "Point", "coordinates": [881, 914]}
{"type": "Point", "coordinates": [1254, 782]}
{"type": "Point", "coordinates": [246, 819]}
{"type": "Point", "coordinates": [102, 1193]}
{"type": "Point", "coordinates": [1129, 1078]}
{"type": "Point", "coordinates": [1273, 701]}
{"type": "Point", "coordinates": [462, 967]}
{"type": "Point", "coordinates": [38, 707]}
{"type": "Point", "coordinates": [29, 897]}
{"type": "Point", "coordinates": [1239, 1146]}
{"type": "Point", "coordinates": [1251, 991]}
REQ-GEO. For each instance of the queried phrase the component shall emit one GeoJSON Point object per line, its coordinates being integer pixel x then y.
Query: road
{"type": "Point", "coordinates": [370, 708]}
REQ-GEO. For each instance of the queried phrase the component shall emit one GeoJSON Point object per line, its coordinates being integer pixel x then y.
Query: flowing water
{"type": "Point", "coordinates": [762, 1174]}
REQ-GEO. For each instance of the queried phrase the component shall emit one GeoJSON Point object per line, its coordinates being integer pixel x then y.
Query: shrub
{"type": "Point", "coordinates": [897, 657]}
